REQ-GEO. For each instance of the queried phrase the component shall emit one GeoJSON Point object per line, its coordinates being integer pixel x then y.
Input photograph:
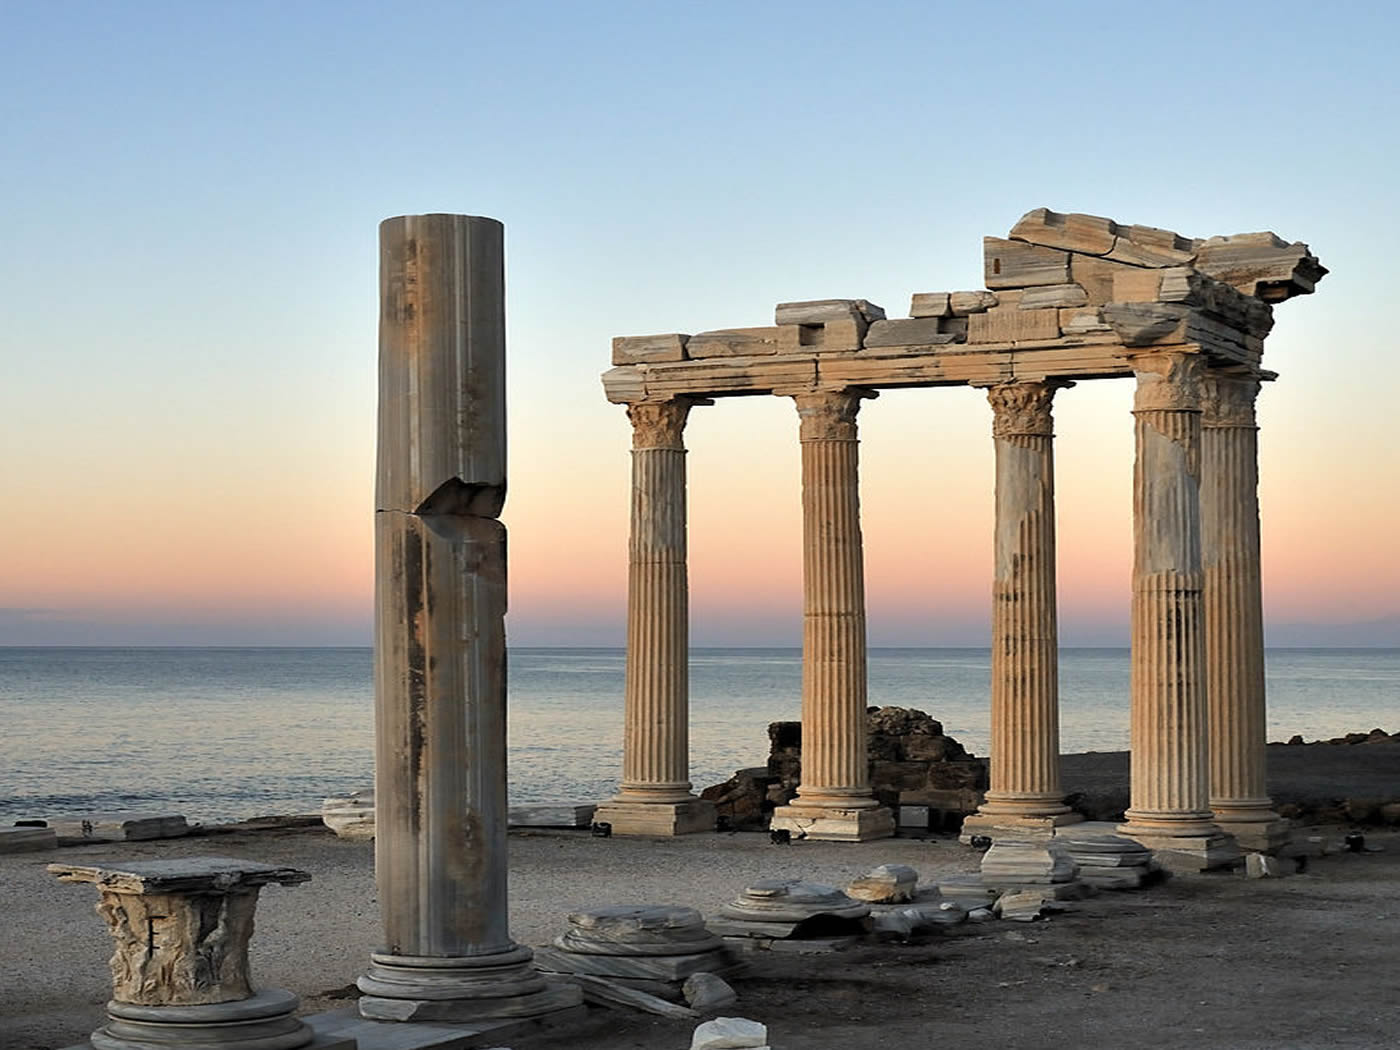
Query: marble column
{"type": "Point", "coordinates": [1025, 791]}
{"type": "Point", "coordinates": [440, 653]}
{"type": "Point", "coordinates": [655, 795]}
{"type": "Point", "coordinates": [833, 801]}
{"type": "Point", "coordinates": [1170, 810]}
{"type": "Point", "coordinates": [1234, 619]}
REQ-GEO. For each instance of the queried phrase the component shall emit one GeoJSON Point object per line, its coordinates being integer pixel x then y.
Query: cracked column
{"type": "Point", "coordinates": [440, 653]}
{"type": "Point", "coordinates": [655, 796]}
{"type": "Point", "coordinates": [1025, 789]}
{"type": "Point", "coordinates": [1169, 810]}
{"type": "Point", "coordinates": [1234, 620]}
{"type": "Point", "coordinates": [833, 801]}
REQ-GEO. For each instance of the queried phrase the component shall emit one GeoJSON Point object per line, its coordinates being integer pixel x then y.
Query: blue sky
{"type": "Point", "coordinates": [191, 191]}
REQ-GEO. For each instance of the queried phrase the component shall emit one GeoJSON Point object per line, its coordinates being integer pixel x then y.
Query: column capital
{"type": "Point", "coordinates": [830, 415]}
{"type": "Point", "coordinates": [1168, 382]}
{"type": "Point", "coordinates": [1023, 407]}
{"type": "Point", "coordinates": [1227, 399]}
{"type": "Point", "coordinates": [661, 424]}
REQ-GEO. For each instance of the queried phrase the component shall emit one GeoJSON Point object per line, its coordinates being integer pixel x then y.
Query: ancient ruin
{"type": "Point", "coordinates": [1068, 298]}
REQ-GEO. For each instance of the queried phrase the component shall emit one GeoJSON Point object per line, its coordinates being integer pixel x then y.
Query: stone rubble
{"type": "Point", "coordinates": [887, 884]}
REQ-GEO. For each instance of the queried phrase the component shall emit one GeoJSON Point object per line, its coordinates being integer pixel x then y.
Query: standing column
{"type": "Point", "coordinates": [833, 800]}
{"type": "Point", "coordinates": [654, 797]}
{"type": "Point", "coordinates": [1234, 618]}
{"type": "Point", "coordinates": [440, 654]}
{"type": "Point", "coordinates": [1169, 811]}
{"type": "Point", "coordinates": [1025, 761]}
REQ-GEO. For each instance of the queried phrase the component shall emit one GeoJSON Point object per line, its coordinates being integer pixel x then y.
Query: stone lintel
{"type": "Point", "coordinates": [834, 824]}
{"type": "Point", "coordinates": [666, 819]}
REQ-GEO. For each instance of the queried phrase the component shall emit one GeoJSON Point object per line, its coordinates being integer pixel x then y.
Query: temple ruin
{"type": "Point", "coordinates": [1068, 298]}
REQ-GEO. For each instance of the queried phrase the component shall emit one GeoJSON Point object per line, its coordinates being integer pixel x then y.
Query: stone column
{"type": "Point", "coordinates": [1025, 760]}
{"type": "Point", "coordinates": [654, 797]}
{"type": "Point", "coordinates": [1234, 619]}
{"type": "Point", "coordinates": [440, 654]}
{"type": "Point", "coordinates": [833, 800]}
{"type": "Point", "coordinates": [1170, 809]}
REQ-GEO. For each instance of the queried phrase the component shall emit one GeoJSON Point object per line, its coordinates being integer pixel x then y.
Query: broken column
{"type": "Point", "coordinates": [1025, 761]}
{"type": "Point", "coordinates": [833, 799]}
{"type": "Point", "coordinates": [655, 795]}
{"type": "Point", "coordinates": [180, 969]}
{"type": "Point", "coordinates": [1234, 622]}
{"type": "Point", "coordinates": [440, 655]}
{"type": "Point", "coordinates": [1169, 811]}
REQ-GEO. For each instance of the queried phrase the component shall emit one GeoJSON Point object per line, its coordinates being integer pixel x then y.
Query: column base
{"type": "Point", "coordinates": [834, 823]}
{"type": "Point", "coordinates": [266, 1021]}
{"type": "Point", "coordinates": [1015, 825]}
{"type": "Point", "coordinates": [657, 818]}
{"type": "Point", "coordinates": [1193, 847]}
{"type": "Point", "coordinates": [1256, 832]}
{"type": "Point", "coordinates": [467, 988]}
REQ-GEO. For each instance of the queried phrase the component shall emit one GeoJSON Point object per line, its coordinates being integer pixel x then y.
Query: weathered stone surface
{"type": "Point", "coordinates": [1145, 324]}
{"type": "Point", "coordinates": [637, 930]}
{"type": "Point", "coordinates": [736, 342]}
{"type": "Point", "coordinates": [1056, 295]}
{"type": "Point", "coordinates": [1135, 285]}
{"type": "Point", "coordinates": [1014, 264]}
{"type": "Point", "coordinates": [1261, 265]}
{"type": "Point", "coordinates": [550, 814]}
{"type": "Point", "coordinates": [1149, 246]}
{"type": "Point", "coordinates": [887, 884]}
{"type": "Point", "coordinates": [1009, 861]}
{"type": "Point", "coordinates": [350, 816]}
{"type": "Point", "coordinates": [822, 311]}
{"type": "Point", "coordinates": [1263, 866]}
{"type": "Point", "coordinates": [120, 827]}
{"type": "Point", "coordinates": [706, 992]}
{"type": "Point", "coordinates": [792, 900]}
{"type": "Point", "coordinates": [964, 303]}
{"type": "Point", "coordinates": [610, 993]}
{"type": "Point", "coordinates": [671, 968]}
{"type": "Point", "coordinates": [930, 304]}
{"type": "Point", "coordinates": [635, 349]}
{"type": "Point", "coordinates": [1088, 234]}
{"type": "Point", "coordinates": [830, 337]}
{"type": "Point", "coordinates": [907, 331]}
{"type": "Point", "coordinates": [729, 1033]}
{"type": "Point", "coordinates": [27, 840]}
{"type": "Point", "coordinates": [1010, 324]}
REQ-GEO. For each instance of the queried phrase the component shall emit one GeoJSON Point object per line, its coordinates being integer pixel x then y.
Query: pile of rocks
{"type": "Point", "coordinates": [649, 947]}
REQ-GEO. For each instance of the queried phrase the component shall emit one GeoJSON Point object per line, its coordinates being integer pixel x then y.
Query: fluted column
{"type": "Point", "coordinates": [1234, 620]}
{"type": "Point", "coordinates": [1025, 756]}
{"type": "Point", "coordinates": [833, 801]}
{"type": "Point", "coordinates": [654, 797]}
{"type": "Point", "coordinates": [1169, 808]}
{"type": "Point", "coordinates": [440, 652]}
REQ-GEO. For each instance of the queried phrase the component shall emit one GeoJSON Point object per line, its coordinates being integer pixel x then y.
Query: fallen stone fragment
{"type": "Point", "coordinates": [608, 993]}
{"type": "Point", "coordinates": [820, 311]}
{"type": "Point", "coordinates": [887, 884]}
{"type": "Point", "coordinates": [350, 816]}
{"type": "Point", "coordinates": [1263, 866]}
{"type": "Point", "coordinates": [120, 827]}
{"type": "Point", "coordinates": [707, 992]}
{"type": "Point", "coordinates": [981, 915]}
{"type": "Point", "coordinates": [1025, 906]}
{"type": "Point", "coordinates": [729, 1033]}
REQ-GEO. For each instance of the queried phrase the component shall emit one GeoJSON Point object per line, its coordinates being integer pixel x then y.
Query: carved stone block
{"type": "Point", "coordinates": [636, 349]}
{"type": "Point", "coordinates": [1015, 264]}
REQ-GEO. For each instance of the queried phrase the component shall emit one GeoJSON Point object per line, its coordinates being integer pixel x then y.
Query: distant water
{"type": "Point", "coordinates": [222, 734]}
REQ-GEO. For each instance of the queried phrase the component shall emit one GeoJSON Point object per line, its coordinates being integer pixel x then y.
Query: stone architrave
{"type": "Point", "coordinates": [833, 800]}
{"type": "Point", "coordinates": [1234, 621]}
{"type": "Point", "coordinates": [1169, 810]}
{"type": "Point", "coordinates": [1025, 759]}
{"type": "Point", "coordinates": [655, 795]}
{"type": "Point", "coordinates": [180, 966]}
{"type": "Point", "coordinates": [440, 655]}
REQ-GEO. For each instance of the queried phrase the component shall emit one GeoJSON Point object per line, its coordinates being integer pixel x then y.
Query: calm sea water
{"type": "Point", "coordinates": [222, 734]}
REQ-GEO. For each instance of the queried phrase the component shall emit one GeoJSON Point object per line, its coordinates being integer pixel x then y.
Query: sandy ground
{"type": "Point", "coordinates": [1216, 960]}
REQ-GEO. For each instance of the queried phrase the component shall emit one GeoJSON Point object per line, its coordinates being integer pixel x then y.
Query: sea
{"type": "Point", "coordinates": [224, 734]}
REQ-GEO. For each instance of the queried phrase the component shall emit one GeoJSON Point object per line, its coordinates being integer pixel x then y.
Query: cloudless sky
{"type": "Point", "coordinates": [190, 195]}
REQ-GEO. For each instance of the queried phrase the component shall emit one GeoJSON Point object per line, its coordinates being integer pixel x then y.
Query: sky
{"type": "Point", "coordinates": [190, 195]}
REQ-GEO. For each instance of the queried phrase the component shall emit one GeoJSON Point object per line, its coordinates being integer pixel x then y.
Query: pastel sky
{"type": "Point", "coordinates": [191, 192]}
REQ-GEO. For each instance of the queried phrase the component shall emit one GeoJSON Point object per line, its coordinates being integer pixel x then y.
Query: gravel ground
{"type": "Point", "coordinates": [1204, 961]}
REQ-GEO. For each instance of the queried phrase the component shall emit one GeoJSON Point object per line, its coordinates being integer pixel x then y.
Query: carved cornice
{"type": "Point", "coordinates": [1023, 408]}
{"type": "Point", "coordinates": [830, 415]}
{"type": "Point", "coordinates": [1168, 382]}
{"type": "Point", "coordinates": [1228, 400]}
{"type": "Point", "coordinates": [659, 424]}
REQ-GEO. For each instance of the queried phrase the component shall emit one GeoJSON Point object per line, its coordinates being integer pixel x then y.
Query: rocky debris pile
{"type": "Point", "coordinates": [649, 948]}
{"type": "Point", "coordinates": [912, 762]}
{"type": "Point", "coordinates": [1110, 862]}
{"type": "Point", "coordinates": [792, 915]}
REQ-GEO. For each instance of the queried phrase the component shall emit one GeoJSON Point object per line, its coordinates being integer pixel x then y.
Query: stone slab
{"type": "Point", "coordinates": [636, 349]}
{"type": "Point", "coordinates": [179, 875]}
{"type": "Point", "coordinates": [346, 1024]}
{"type": "Point", "coordinates": [1015, 264]}
{"type": "Point", "coordinates": [120, 827]}
{"type": "Point", "coordinates": [27, 840]}
{"type": "Point", "coordinates": [820, 311]}
{"type": "Point", "coordinates": [648, 967]}
{"type": "Point", "coordinates": [907, 331]}
{"type": "Point", "coordinates": [930, 304]}
{"type": "Point", "coordinates": [551, 814]}
{"type": "Point", "coordinates": [735, 342]}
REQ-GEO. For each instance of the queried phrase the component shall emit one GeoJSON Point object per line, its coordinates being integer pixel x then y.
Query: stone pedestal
{"type": "Point", "coordinates": [833, 800]}
{"type": "Point", "coordinates": [440, 654]}
{"type": "Point", "coordinates": [1234, 621]}
{"type": "Point", "coordinates": [180, 969]}
{"type": "Point", "coordinates": [1169, 811]}
{"type": "Point", "coordinates": [655, 795]}
{"type": "Point", "coordinates": [1025, 789]}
